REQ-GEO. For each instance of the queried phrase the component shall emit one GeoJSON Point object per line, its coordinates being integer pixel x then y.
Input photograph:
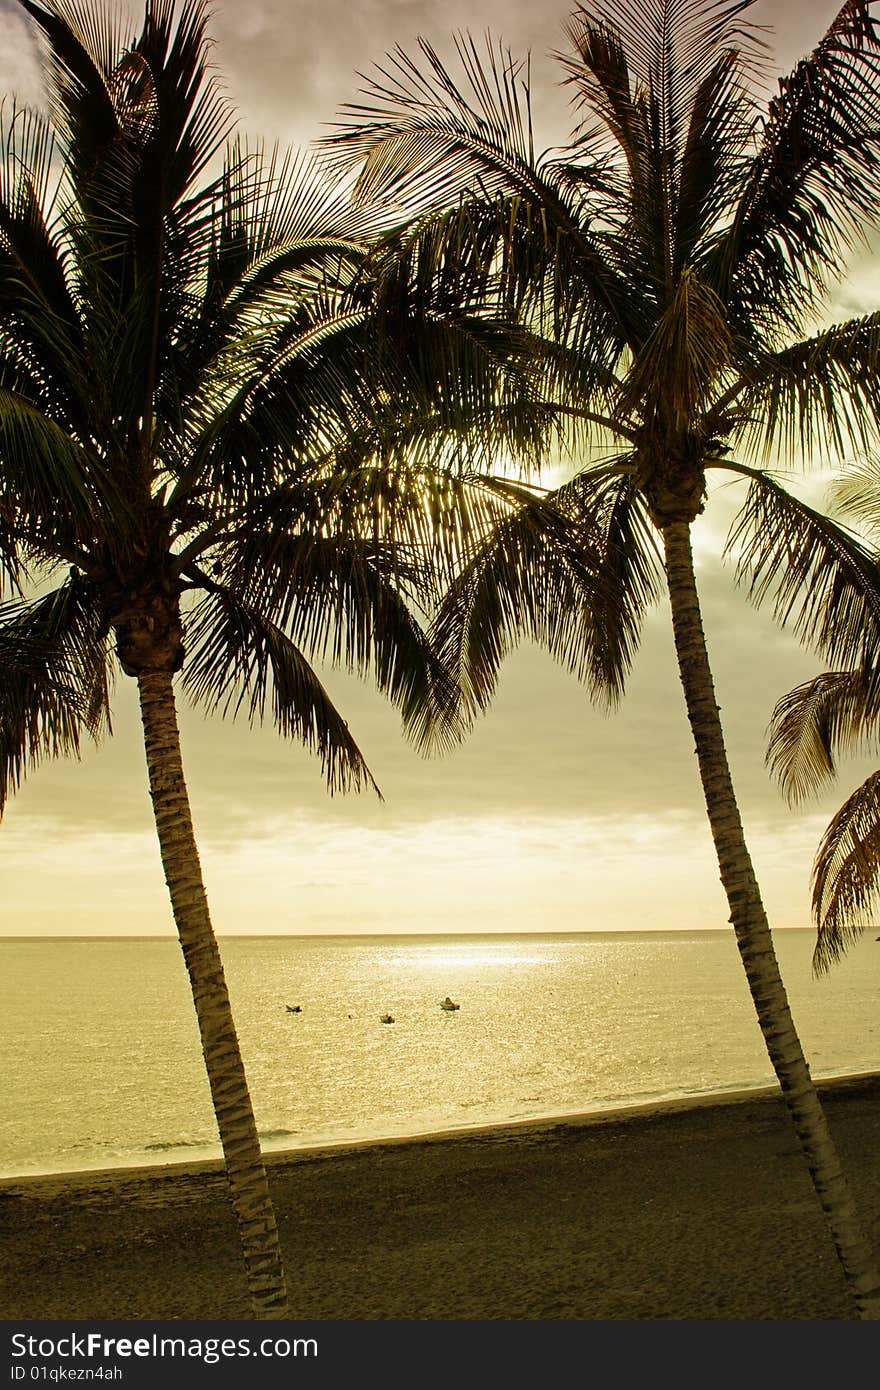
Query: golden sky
{"type": "Point", "coordinates": [553, 816]}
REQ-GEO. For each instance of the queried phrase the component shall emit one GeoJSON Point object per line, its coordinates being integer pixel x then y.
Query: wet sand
{"type": "Point", "coordinates": [700, 1209]}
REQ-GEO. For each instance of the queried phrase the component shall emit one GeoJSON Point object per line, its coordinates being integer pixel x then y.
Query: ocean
{"type": "Point", "coordinates": [103, 1067]}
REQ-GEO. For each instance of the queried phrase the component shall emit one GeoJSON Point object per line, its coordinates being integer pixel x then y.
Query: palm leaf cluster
{"type": "Point", "coordinates": [813, 725]}
{"type": "Point", "coordinates": [673, 264]}
{"type": "Point", "coordinates": [210, 401]}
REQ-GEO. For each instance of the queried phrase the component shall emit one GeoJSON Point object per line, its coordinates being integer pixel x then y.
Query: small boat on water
{"type": "Point", "coordinates": [387, 1018]}
{"type": "Point", "coordinates": [293, 1008]}
{"type": "Point", "coordinates": [448, 1005]}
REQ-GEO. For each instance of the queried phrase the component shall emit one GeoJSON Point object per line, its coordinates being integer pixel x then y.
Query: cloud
{"type": "Point", "coordinates": [465, 873]}
{"type": "Point", "coordinates": [19, 62]}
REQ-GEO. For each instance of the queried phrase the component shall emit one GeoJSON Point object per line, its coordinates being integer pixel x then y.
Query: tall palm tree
{"type": "Point", "coordinates": [834, 713]}
{"type": "Point", "coordinates": [675, 258]}
{"type": "Point", "coordinates": [211, 457]}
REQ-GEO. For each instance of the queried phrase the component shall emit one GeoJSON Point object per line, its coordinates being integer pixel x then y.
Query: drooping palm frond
{"type": "Point", "coordinates": [572, 570]}
{"type": "Point", "coordinates": [343, 599]}
{"type": "Point", "coordinates": [818, 394]}
{"type": "Point", "coordinates": [817, 577]}
{"type": "Point", "coordinates": [630, 578]}
{"type": "Point", "coordinates": [856, 494]}
{"type": "Point", "coordinates": [39, 717]}
{"type": "Point", "coordinates": [11, 566]}
{"type": "Point", "coordinates": [41, 328]}
{"type": "Point", "coordinates": [833, 712]}
{"type": "Point", "coordinates": [53, 680]}
{"type": "Point", "coordinates": [846, 874]}
{"type": "Point", "coordinates": [45, 472]}
{"type": "Point", "coordinates": [238, 660]}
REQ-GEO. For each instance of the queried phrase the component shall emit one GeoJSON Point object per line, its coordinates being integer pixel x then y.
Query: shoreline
{"type": "Point", "coordinates": [662, 1103]}
{"type": "Point", "coordinates": [695, 1208]}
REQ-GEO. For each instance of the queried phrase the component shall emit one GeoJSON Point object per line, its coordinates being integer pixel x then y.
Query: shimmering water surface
{"type": "Point", "coordinates": [103, 1065]}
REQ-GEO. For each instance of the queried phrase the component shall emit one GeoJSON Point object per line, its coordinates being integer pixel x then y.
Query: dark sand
{"type": "Point", "coordinates": [702, 1210]}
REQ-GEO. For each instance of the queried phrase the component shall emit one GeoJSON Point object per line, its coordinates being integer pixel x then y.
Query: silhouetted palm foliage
{"type": "Point", "coordinates": [220, 447]}
{"type": "Point", "coordinates": [832, 714]}
{"type": "Point", "coordinates": [675, 259]}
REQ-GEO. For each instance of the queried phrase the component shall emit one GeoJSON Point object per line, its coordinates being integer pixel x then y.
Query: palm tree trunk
{"type": "Point", "coordinates": [248, 1184]}
{"type": "Point", "coordinates": [753, 933]}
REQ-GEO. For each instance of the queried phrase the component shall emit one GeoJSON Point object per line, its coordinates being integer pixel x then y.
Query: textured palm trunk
{"type": "Point", "coordinates": [229, 1089]}
{"type": "Point", "coordinates": [753, 933]}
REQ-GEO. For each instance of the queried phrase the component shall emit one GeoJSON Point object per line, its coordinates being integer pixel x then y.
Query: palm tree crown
{"type": "Point", "coordinates": [183, 364]}
{"type": "Point", "coordinates": [674, 261]}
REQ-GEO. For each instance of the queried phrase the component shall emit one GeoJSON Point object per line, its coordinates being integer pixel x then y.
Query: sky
{"type": "Point", "coordinates": [552, 816]}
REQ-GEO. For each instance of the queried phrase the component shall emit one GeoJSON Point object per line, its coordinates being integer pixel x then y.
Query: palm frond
{"type": "Point", "coordinates": [846, 874]}
{"type": "Point", "coordinates": [340, 380]}
{"type": "Point", "coordinates": [239, 660]}
{"type": "Point", "coordinates": [666, 49]}
{"type": "Point", "coordinates": [53, 680]}
{"type": "Point", "coordinates": [814, 184]}
{"type": "Point", "coordinates": [80, 43]}
{"type": "Point", "coordinates": [37, 305]}
{"type": "Point", "coordinates": [173, 71]}
{"type": "Point", "coordinates": [679, 365]}
{"type": "Point", "coordinates": [44, 472]}
{"type": "Point", "coordinates": [816, 394]}
{"type": "Point", "coordinates": [422, 131]}
{"type": "Point", "coordinates": [435, 140]}
{"type": "Point", "coordinates": [835, 711]}
{"type": "Point", "coordinates": [343, 600]}
{"type": "Point", "coordinates": [817, 577]}
{"type": "Point", "coordinates": [631, 570]}
{"type": "Point", "coordinates": [664, 84]}
{"type": "Point", "coordinates": [856, 494]}
{"type": "Point", "coordinates": [719, 133]}
{"type": "Point", "coordinates": [554, 571]}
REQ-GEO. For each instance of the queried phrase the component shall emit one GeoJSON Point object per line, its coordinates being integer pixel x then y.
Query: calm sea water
{"type": "Point", "coordinates": [103, 1066]}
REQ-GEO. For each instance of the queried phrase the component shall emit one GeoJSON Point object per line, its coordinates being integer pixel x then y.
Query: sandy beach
{"type": "Point", "coordinates": [682, 1210]}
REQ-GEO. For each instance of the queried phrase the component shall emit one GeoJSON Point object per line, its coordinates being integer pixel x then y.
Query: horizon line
{"type": "Point", "coordinates": [356, 936]}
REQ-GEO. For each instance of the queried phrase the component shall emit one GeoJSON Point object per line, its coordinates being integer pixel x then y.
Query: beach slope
{"type": "Point", "coordinates": [682, 1210]}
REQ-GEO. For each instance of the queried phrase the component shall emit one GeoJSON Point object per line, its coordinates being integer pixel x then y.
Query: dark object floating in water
{"type": "Point", "coordinates": [387, 1018]}
{"type": "Point", "coordinates": [449, 1006]}
{"type": "Point", "coordinates": [293, 1008]}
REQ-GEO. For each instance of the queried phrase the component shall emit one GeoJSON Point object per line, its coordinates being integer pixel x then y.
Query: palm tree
{"type": "Point", "coordinates": [833, 713]}
{"type": "Point", "coordinates": [675, 259]}
{"type": "Point", "coordinates": [210, 457]}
